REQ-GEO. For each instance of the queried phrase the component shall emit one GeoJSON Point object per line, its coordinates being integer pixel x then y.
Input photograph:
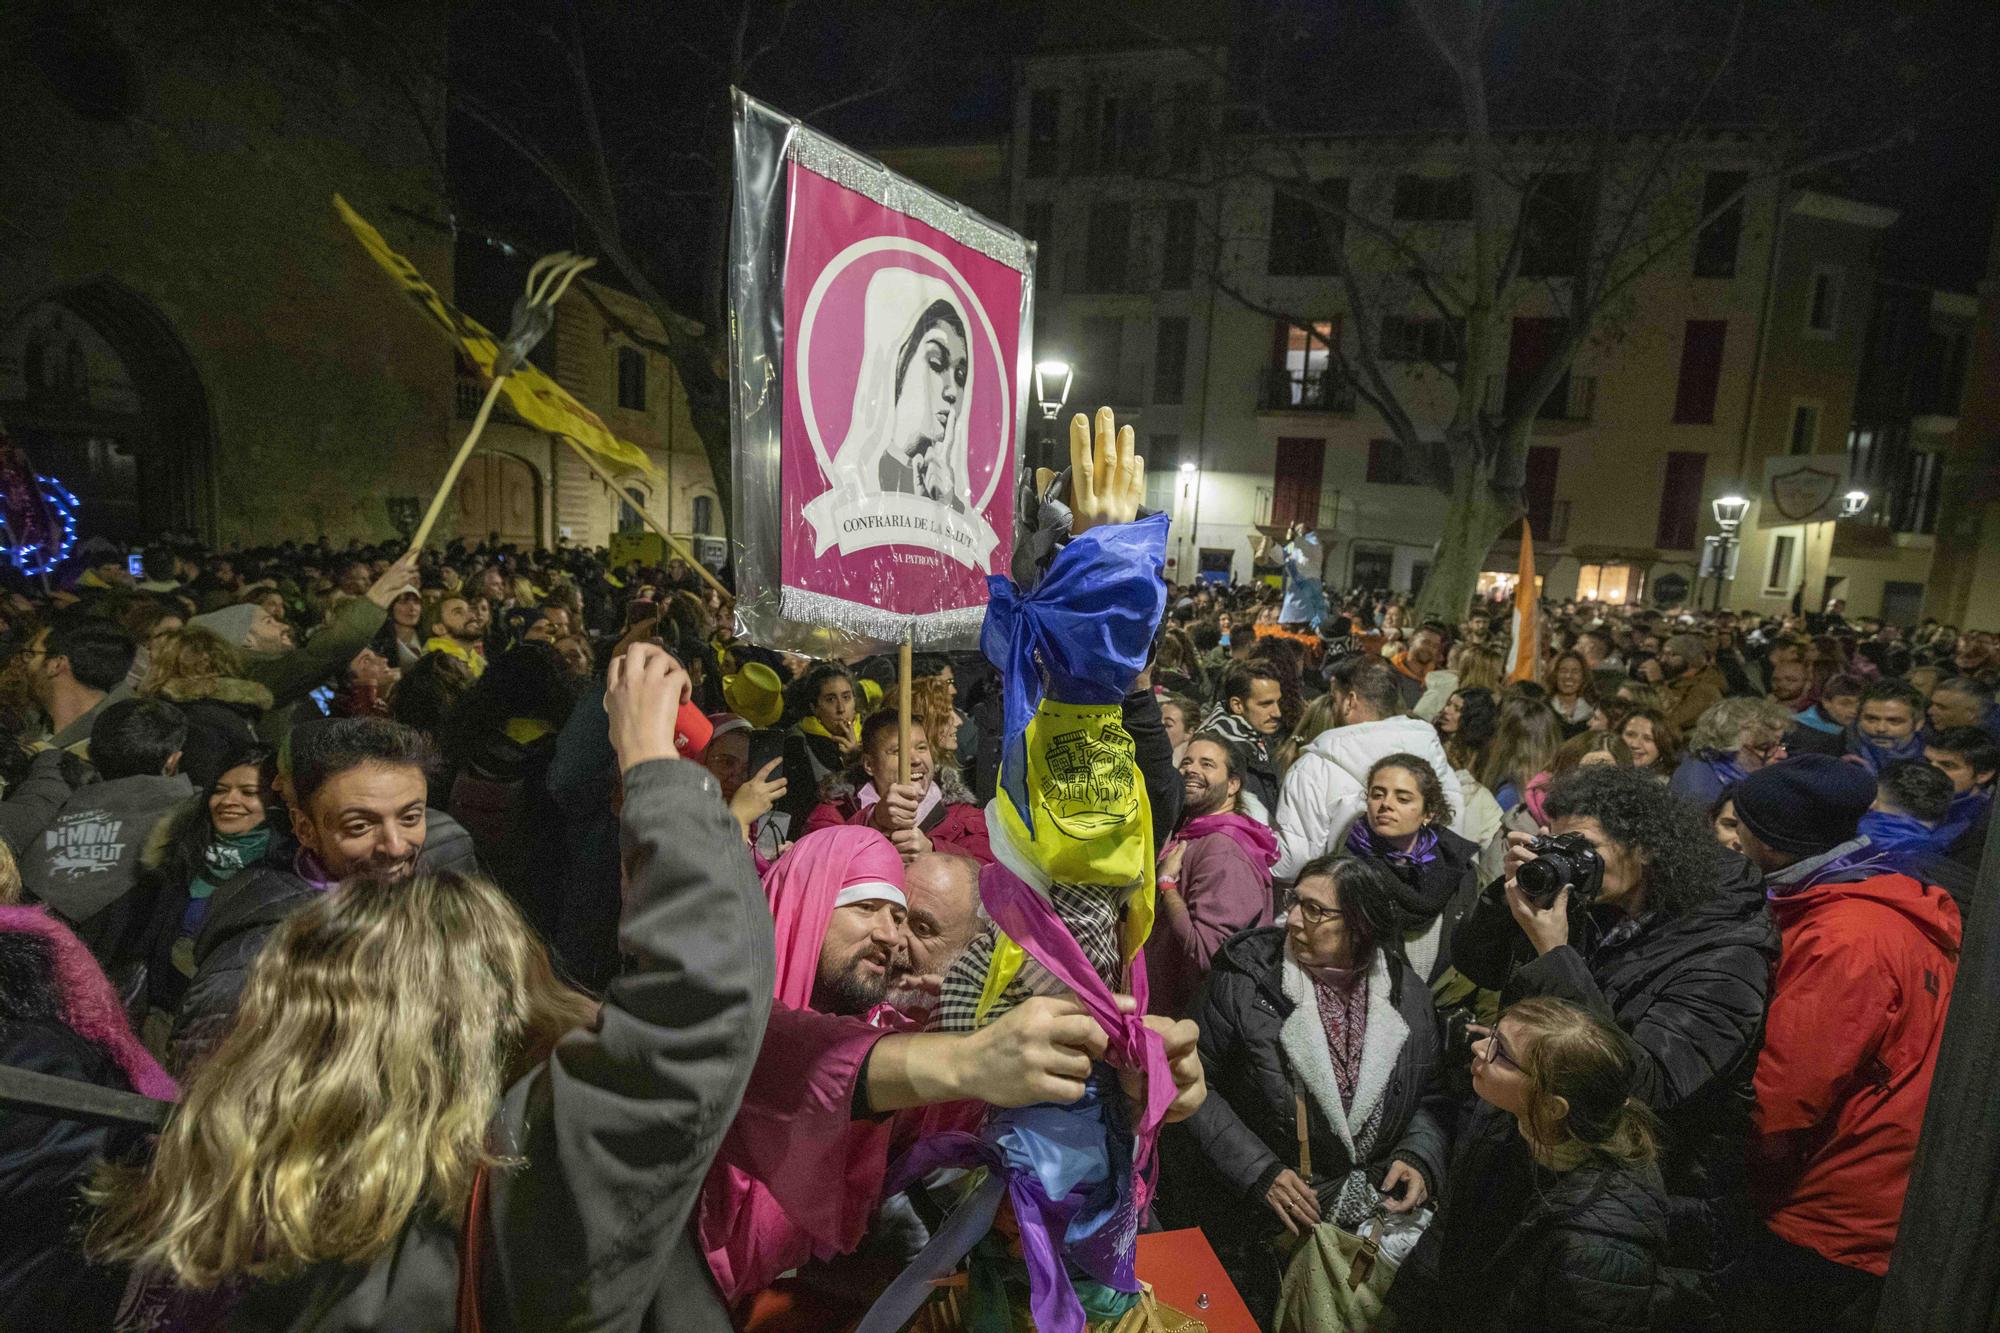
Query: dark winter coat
{"type": "Point", "coordinates": [58, 1017]}
{"type": "Point", "coordinates": [222, 717]}
{"type": "Point", "coordinates": [241, 916]}
{"type": "Point", "coordinates": [501, 795]}
{"type": "Point", "coordinates": [614, 1134]}
{"type": "Point", "coordinates": [1692, 991]}
{"type": "Point", "coordinates": [1246, 1132]}
{"type": "Point", "coordinates": [1516, 1248]}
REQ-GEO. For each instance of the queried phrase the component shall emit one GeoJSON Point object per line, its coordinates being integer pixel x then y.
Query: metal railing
{"type": "Point", "coordinates": [1282, 390]}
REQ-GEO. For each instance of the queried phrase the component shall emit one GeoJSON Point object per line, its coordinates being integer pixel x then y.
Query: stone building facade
{"type": "Point", "coordinates": [189, 337]}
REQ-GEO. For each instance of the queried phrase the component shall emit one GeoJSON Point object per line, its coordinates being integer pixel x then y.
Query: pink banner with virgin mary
{"type": "Point", "coordinates": [901, 406]}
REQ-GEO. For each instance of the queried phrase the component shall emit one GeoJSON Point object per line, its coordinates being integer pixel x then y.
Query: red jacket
{"type": "Point", "coordinates": [958, 829]}
{"type": "Point", "coordinates": [1857, 1011]}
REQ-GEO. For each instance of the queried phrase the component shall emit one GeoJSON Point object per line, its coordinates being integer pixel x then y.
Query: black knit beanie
{"type": "Point", "coordinates": [1806, 805]}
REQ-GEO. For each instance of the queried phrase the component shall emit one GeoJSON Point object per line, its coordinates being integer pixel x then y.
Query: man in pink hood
{"type": "Point", "coordinates": [1214, 876]}
{"type": "Point", "coordinates": [842, 1087]}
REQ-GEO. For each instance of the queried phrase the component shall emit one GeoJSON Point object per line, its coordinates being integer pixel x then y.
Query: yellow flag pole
{"type": "Point", "coordinates": [457, 466]}
{"type": "Point", "coordinates": [639, 508]}
{"type": "Point", "coordinates": [903, 703]}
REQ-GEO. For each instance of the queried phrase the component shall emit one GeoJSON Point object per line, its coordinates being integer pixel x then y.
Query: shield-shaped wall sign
{"type": "Point", "coordinates": [1801, 494]}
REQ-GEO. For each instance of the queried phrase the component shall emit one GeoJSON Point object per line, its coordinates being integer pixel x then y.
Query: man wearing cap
{"type": "Point", "coordinates": [801, 1172]}
{"type": "Point", "coordinates": [1857, 1011]}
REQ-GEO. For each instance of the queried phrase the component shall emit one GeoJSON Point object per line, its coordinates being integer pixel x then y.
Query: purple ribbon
{"type": "Point", "coordinates": [1009, 1149]}
{"type": "Point", "coordinates": [1032, 923]}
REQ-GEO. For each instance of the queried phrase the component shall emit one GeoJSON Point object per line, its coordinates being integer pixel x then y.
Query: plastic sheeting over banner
{"type": "Point", "coordinates": [879, 366]}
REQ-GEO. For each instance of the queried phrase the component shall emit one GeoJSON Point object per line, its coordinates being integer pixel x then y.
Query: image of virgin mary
{"type": "Point", "coordinates": [907, 435]}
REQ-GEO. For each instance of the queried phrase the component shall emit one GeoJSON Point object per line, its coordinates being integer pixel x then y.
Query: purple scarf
{"type": "Point", "coordinates": [1849, 863]}
{"type": "Point", "coordinates": [1361, 840]}
{"type": "Point", "coordinates": [1258, 842]}
{"type": "Point", "coordinates": [1723, 764]}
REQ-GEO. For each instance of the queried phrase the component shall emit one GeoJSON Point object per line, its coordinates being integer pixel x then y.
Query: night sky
{"type": "Point", "coordinates": [943, 70]}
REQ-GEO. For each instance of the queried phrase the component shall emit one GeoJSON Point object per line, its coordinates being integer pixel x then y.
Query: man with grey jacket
{"type": "Point", "coordinates": [84, 863]}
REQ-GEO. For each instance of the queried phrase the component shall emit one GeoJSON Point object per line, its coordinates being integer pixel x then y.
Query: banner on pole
{"type": "Point", "coordinates": [879, 369]}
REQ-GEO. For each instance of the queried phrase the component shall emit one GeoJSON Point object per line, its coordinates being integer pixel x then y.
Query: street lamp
{"type": "Point", "coordinates": [1729, 511]}
{"type": "Point", "coordinates": [1186, 514]}
{"type": "Point", "coordinates": [1852, 503]}
{"type": "Point", "coordinates": [1052, 384]}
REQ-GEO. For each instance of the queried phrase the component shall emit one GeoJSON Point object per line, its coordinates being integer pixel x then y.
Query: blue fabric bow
{"type": "Point", "coordinates": [1081, 636]}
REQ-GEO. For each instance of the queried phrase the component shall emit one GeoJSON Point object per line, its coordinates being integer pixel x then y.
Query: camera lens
{"type": "Point", "coordinates": [1544, 876]}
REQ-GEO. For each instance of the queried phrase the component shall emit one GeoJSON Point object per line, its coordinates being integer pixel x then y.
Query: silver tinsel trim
{"type": "Point", "coordinates": [871, 629]}
{"type": "Point", "coordinates": [841, 165]}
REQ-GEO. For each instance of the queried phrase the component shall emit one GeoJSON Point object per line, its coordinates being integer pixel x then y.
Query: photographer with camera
{"type": "Point", "coordinates": [1633, 910]}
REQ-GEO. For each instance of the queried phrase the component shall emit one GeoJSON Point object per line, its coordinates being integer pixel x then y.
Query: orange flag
{"type": "Point", "coordinates": [1523, 655]}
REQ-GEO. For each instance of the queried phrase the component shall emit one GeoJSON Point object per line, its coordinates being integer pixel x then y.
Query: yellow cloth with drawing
{"type": "Point", "coordinates": [1091, 821]}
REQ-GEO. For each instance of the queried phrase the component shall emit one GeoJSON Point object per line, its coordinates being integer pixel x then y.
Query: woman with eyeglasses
{"type": "Point", "coordinates": [1321, 1015]}
{"type": "Point", "coordinates": [1731, 741]}
{"type": "Point", "coordinates": [1555, 1217]}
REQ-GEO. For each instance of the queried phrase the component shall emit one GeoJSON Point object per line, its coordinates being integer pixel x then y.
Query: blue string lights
{"type": "Point", "coordinates": [37, 558]}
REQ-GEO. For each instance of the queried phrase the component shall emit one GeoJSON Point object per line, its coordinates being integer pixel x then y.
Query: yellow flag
{"type": "Point", "coordinates": [539, 400]}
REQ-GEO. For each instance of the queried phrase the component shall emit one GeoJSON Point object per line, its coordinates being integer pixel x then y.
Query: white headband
{"type": "Point", "coordinates": [871, 891]}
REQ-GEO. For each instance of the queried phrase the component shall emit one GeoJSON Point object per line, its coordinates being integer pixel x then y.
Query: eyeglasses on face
{"type": "Point", "coordinates": [1489, 1047]}
{"type": "Point", "coordinates": [1315, 914]}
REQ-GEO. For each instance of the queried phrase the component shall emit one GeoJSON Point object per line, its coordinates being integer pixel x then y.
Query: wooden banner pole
{"type": "Point", "coordinates": [903, 702]}
{"type": "Point", "coordinates": [639, 508]}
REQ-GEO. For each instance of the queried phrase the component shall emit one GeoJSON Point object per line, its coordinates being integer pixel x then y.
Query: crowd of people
{"type": "Point", "coordinates": [1602, 997]}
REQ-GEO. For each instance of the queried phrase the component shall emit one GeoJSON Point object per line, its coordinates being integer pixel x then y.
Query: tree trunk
{"type": "Point", "coordinates": [1474, 522]}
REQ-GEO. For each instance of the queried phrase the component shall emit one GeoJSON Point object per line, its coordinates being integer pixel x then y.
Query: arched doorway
{"type": "Point", "coordinates": [98, 388]}
{"type": "Point", "coordinates": [499, 494]}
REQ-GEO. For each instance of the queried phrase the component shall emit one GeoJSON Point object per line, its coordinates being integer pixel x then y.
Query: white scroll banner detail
{"type": "Point", "coordinates": [855, 521]}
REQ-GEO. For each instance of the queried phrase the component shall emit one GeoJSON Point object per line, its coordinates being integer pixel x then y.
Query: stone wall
{"type": "Point", "coordinates": [193, 163]}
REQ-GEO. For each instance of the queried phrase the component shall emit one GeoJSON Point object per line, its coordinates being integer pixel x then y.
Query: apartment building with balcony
{"type": "Point", "coordinates": [1194, 290]}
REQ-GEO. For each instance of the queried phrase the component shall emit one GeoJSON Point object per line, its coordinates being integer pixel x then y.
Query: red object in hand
{"type": "Point", "coordinates": [692, 732]}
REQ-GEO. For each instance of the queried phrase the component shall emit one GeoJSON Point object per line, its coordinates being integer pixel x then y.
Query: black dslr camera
{"type": "Point", "coordinates": [1565, 861]}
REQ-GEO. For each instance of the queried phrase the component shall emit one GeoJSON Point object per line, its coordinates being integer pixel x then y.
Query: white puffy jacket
{"type": "Point", "coordinates": [1328, 783]}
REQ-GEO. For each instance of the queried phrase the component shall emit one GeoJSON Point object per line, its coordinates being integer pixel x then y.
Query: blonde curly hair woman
{"type": "Point", "coordinates": [405, 1050]}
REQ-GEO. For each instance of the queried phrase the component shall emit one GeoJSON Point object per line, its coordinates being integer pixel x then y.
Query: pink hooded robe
{"type": "Point", "coordinates": [797, 1177]}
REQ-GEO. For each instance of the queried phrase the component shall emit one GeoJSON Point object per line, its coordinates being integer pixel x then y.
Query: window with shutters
{"type": "Point", "coordinates": [1555, 225]}
{"type": "Point", "coordinates": [1306, 229]}
{"type": "Point", "coordinates": [1414, 338]}
{"type": "Point", "coordinates": [1177, 228]}
{"type": "Point", "coordinates": [1040, 224]}
{"type": "Point", "coordinates": [1106, 243]}
{"type": "Point", "coordinates": [1805, 429]}
{"type": "Point", "coordinates": [1044, 131]}
{"type": "Point", "coordinates": [1103, 367]}
{"type": "Point", "coordinates": [1386, 466]}
{"type": "Point", "coordinates": [1433, 198]}
{"type": "Point", "coordinates": [1715, 246]}
{"type": "Point", "coordinates": [1680, 502]}
{"type": "Point", "coordinates": [1295, 482]}
{"type": "Point", "coordinates": [1701, 371]}
{"type": "Point", "coordinates": [632, 378]}
{"type": "Point", "coordinates": [1823, 303]}
{"type": "Point", "coordinates": [1169, 358]}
